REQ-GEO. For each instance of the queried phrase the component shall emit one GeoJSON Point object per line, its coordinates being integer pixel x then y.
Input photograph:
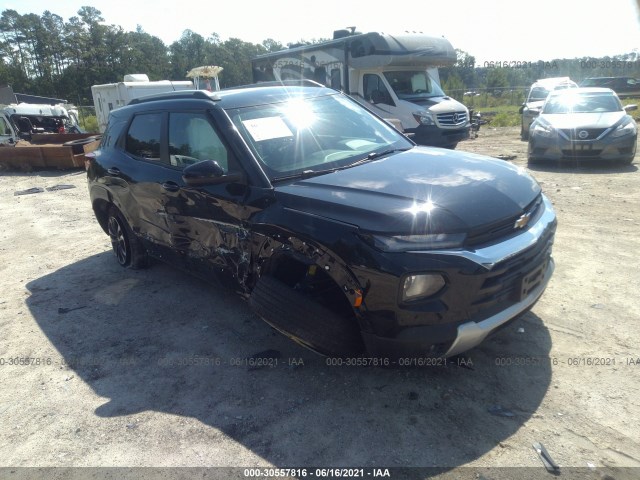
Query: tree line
{"type": "Point", "coordinates": [46, 55]}
{"type": "Point", "coordinates": [467, 74]}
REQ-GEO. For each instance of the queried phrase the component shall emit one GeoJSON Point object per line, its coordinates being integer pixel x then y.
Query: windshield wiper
{"type": "Point", "coordinates": [302, 175]}
{"type": "Point", "coordinates": [374, 155]}
{"type": "Point", "coordinates": [314, 173]}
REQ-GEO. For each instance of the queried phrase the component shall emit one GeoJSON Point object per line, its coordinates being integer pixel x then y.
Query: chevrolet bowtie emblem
{"type": "Point", "coordinates": [522, 221]}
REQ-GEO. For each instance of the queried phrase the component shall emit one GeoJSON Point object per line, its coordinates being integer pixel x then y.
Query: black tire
{"type": "Point", "coordinates": [304, 321]}
{"type": "Point", "coordinates": [127, 248]}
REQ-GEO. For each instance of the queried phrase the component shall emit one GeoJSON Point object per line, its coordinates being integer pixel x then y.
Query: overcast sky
{"type": "Point", "coordinates": [499, 30]}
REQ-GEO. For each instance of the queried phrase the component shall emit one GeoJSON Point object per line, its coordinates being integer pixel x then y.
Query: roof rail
{"type": "Point", "coordinates": [303, 82]}
{"type": "Point", "coordinates": [183, 94]}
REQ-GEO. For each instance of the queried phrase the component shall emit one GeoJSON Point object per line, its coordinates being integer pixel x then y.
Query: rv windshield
{"type": "Point", "coordinates": [413, 84]}
{"type": "Point", "coordinates": [314, 135]}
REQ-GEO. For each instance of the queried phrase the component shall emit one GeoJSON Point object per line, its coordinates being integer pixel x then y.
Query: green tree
{"type": "Point", "coordinates": [186, 53]}
{"type": "Point", "coordinates": [454, 86]}
{"type": "Point", "coordinates": [497, 79]}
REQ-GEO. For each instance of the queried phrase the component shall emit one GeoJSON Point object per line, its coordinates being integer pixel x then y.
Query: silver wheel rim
{"type": "Point", "coordinates": [118, 241]}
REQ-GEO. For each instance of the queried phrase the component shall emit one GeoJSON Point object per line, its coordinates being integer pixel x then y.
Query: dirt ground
{"type": "Point", "coordinates": [106, 367]}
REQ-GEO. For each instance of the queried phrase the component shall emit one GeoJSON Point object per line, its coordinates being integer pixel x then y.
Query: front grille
{"type": "Point", "coordinates": [581, 153]}
{"type": "Point", "coordinates": [591, 133]}
{"type": "Point", "coordinates": [452, 119]}
{"type": "Point", "coordinates": [504, 228]}
{"type": "Point", "coordinates": [511, 280]}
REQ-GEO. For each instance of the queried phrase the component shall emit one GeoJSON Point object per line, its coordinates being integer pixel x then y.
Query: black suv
{"type": "Point", "coordinates": [340, 231]}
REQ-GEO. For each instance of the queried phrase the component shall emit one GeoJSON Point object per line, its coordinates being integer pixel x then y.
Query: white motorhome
{"type": "Point", "coordinates": [395, 76]}
{"type": "Point", "coordinates": [110, 96]}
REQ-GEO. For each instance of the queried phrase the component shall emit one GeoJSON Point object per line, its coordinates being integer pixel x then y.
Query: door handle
{"type": "Point", "coordinates": [113, 171]}
{"type": "Point", "coordinates": [171, 186]}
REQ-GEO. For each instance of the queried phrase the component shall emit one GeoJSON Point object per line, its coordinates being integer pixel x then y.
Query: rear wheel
{"type": "Point", "coordinates": [127, 248]}
{"type": "Point", "coordinates": [304, 321]}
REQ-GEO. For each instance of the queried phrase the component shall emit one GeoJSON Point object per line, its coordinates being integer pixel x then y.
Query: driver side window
{"type": "Point", "coordinates": [192, 139]}
{"type": "Point", "coordinates": [375, 90]}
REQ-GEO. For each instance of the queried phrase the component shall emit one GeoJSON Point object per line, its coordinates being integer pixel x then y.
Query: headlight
{"type": "Point", "coordinates": [625, 129]}
{"type": "Point", "coordinates": [544, 130]}
{"type": "Point", "coordinates": [424, 118]}
{"type": "Point", "coordinates": [421, 286]}
{"type": "Point", "coordinates": [407, 243]}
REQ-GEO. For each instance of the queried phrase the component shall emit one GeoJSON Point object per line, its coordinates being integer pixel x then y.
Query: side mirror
{"type": "Point", "coordinates": [521, 109]}
{"type": "Point", "coordinates": [207, 172]}
{"type": "Point", "coordinates": [630, 108]}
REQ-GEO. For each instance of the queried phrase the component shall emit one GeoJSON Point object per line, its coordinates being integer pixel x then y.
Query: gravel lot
{"type": "Point", "coordinates": [106, 367]}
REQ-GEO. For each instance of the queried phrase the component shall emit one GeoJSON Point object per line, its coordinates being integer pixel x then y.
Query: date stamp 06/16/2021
{"type": "Point", "coordinates": [273, 361]}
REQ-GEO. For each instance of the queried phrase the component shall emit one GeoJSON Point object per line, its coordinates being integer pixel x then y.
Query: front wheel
{"type": "Point", "coordinates": [127, 248]}
{"type": "Point", "coordinates": [304, 321]}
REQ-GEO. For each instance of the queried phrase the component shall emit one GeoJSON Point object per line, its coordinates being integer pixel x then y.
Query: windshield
{"type": "Point", "coordinates": [313, 134]}
{"type": "Point", "coordinates": [413, 84]}
{"type": "Point", "coordinates": [538, 94]}
{"type": "Point", "coordinates": [582, 103]}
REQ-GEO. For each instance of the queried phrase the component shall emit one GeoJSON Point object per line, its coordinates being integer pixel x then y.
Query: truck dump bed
{"type": "Point", "coordinates": [48, 151]}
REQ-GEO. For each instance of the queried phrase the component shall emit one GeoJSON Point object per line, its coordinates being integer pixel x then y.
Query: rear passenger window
{"type": "Point", "coordinates": [143, 138]}
{"type": "Point", "coordinates": [193, 139]}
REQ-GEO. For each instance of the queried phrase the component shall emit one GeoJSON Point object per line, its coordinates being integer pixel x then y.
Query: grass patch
{"type": "Point", "coordinates": [501, 116]}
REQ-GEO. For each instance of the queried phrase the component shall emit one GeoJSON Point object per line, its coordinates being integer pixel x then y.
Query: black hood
{"type": "Point", "coordinates": [461, 192]}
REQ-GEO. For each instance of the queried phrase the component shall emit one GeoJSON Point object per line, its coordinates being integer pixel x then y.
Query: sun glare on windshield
{"type": "Point", "coordinates": [581, 103]}
{"type": "Point", "coordinates": [299, 113]}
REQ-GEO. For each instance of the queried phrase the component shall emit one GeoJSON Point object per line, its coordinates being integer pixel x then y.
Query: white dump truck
{"type": "Point", "coordinates": [23, 120]}
{"type": "Point", "coordinates": [395, 76]}
{"type": "Point", "coordinates": [40, 135]}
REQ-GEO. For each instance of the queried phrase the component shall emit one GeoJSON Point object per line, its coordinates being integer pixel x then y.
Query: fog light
{"type": "Point", "coordinates": [421, 286]}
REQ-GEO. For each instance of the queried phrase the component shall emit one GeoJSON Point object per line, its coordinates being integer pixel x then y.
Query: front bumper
{"type": "Point", "coordinates": [471, 334]}
{"type": "Point", "coordinates": [558, 148]}
{"type": "Point", "coordinates": [505, 280]}
{"type": "Point", "coordinates": [434, 136]}
{"type": "Point", "coordinates": [421, 342]}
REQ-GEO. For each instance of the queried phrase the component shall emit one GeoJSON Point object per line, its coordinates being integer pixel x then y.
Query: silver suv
{"type": "Point", "coordinates": [536, 97]}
